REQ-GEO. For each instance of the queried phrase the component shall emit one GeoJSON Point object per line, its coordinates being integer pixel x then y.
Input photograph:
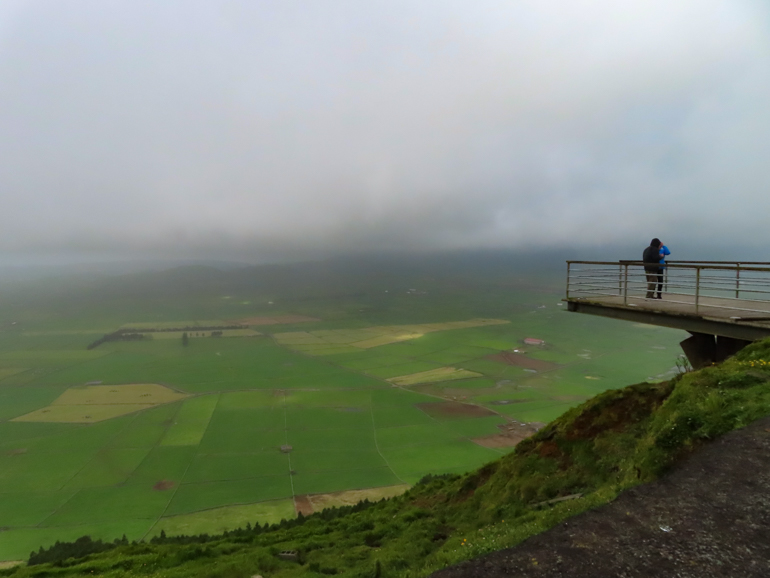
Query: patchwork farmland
{"type": "Point", "coordinates": [294, 411]}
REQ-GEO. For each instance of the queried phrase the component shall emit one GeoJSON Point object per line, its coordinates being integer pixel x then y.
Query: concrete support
{"type": "Point", "coordinates": [700, 349]}
{"type": "Point", "coordinates": [728, 346]}
{"type": "Point", "coordinates": [703, 349]}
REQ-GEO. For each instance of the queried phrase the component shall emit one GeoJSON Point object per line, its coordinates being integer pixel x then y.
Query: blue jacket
{"type": "Point", "coordinates": [663, 253]}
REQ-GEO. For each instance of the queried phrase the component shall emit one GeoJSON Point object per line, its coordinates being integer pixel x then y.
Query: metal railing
{"type": "Point", "coordinates": [727, 285]}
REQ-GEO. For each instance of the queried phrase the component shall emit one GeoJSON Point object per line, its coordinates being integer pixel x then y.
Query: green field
{"type": "Point", "coordinates": [203, 452]}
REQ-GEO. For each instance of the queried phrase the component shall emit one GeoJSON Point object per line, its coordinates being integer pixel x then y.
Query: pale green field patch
{"type": "Point", "coordinates": [135, 393]}
{"type": "Point", "coordinates": [325, 349]}
{"type": "Point", "coordinates": [275, 320]}
{"type": "Point", "coordinates": [66, 332]}
{"type": "Point", "coordinates": [352, 497]}
{"type": "Point", "coordinates": [191, 422]}
{"type": "Point", "coordinates": [80, 413]}
{"type": "Point", "coordinates": [218, 520]}
{"type": "Point", "coordinates": [93, 403]}
{"type": "Point", "coordinates": [449, 325]}
{"type": "Point", "coordinates": [386, 340]}
{"type": "Point", "coordinates": [171, 325]}
{"type": "Point", "coordinates": [434, 375]}
{"type": "Point", "coordinates": [370, 337]}
{"type": "Point", "coordinates": [298, 338]}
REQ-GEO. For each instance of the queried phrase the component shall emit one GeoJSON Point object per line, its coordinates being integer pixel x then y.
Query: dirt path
{"type": "Point", "coordinates": [708, 518]}
{"type": "Point", "coordinates": [303, 505]}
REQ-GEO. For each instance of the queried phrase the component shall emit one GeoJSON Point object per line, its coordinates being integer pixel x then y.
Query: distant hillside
{"type": "Point", "coordinates": [614, 441]}
{"type": "Point", "coordinates": [479, 280]}
{"type": "Point", "coordinates": [356, 272]}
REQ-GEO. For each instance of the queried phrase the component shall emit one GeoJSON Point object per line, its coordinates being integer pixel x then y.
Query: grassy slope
{"type": "Point", "coordinates": [616, 440]}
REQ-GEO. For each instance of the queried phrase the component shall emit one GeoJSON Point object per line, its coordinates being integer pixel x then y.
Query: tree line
{"type": "Point", "coordinates": [130, 334]}
{"type": "Point", "coordinates": [119, 335]}
{"type": "Point", "coordinates": [80, 548]}
{"type": "Point", "coordinates": [85, 545]}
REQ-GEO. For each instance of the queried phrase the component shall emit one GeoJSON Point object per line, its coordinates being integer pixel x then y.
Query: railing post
{"type": "Point", "coordinates": [625, 286]}
{"type": "Point", "coordinates": [620, 279]}
{"type": "Point", "coordinates": [697, 288]}
{"type": "Point", "coordinates": [568, 265]}
{"type": "Point", "coordinates": [738, 281]}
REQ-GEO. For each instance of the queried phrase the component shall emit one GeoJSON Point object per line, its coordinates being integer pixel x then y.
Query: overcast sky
{"type": "Point", "coordinates": [256, 129]}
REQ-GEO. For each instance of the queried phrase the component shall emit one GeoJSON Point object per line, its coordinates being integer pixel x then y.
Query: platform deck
{"type": "Point", "coordinates": [742, 319]}
{"type": "Point", "coordinates": [729, 310]}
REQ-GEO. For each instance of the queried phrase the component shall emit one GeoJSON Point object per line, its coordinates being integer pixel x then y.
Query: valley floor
{"type": "Point", "coordinates": [708, 518]}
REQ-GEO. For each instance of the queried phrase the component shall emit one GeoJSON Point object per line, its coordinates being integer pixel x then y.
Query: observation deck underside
{"type": "Point", "coordinates": [715, 316]}
{"type": "Point", "coordinates": [723, 305]}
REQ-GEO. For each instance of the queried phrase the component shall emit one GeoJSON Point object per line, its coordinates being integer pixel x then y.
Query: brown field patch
{"type": "Point", "coordinates": [163, 485]}
{"type": "Point", "coordinates": [453, 409]}
{"type": "Point", "coordinates": [275, 320]}
{"type": "Point", "coordinates": [519, 360]}
{"type": "Point", "coordinates": [81, 413]}
{"type": "Point", "coordinates": [510, 435]}
{"type": "Point", "coordinates": [303, 505]}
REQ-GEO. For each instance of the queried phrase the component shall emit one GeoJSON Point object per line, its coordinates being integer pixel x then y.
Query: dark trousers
{"type": "Point", "coordinates": [660, 283]}
{"type": "Point", "coordinates": [654, 280]}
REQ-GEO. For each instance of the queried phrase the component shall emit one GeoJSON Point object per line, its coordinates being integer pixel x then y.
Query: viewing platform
{"type": "Point", "coordinates": [723, 305]}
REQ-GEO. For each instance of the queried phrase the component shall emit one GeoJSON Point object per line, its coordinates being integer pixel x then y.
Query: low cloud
{"type": "Point", "coordinates": [297, 128]}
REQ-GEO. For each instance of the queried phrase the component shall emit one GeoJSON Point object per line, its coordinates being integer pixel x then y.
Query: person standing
{"type": "Point", "coordinates": [652, 270]}
{"type": "Point", "coordinates": [664, 252]}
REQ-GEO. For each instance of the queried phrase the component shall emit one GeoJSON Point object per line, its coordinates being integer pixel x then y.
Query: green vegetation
{"type": "Point", "coordinates": [213, 457]}
{"type": "Point", "coordinates": [614, 441]}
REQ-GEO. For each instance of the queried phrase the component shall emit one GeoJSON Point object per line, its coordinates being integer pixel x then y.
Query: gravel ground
{"type": "Point", "coordinates": [709, 517]}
